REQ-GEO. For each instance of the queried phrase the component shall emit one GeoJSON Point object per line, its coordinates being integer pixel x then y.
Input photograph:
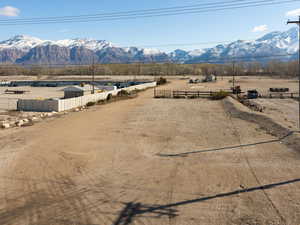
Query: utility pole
{"type": "Point", "coordinates": [93, 76]}
{"type": "Point", "coordinates": [233, 75]}
{"type": "Point", "coordinates": [298, 23]}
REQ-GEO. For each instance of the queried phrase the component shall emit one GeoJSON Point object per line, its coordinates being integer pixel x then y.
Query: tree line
{"type": "Point", "coordinates": [272, 68]}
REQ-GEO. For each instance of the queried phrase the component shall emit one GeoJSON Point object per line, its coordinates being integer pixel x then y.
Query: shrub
{"type": "Point", "coordinates": [219, 95]}
{"type": "Point", "coordinates": [100, 102]}
{"type": "Point", "coordinates": [123, 93]}
{"type": "Point", "coordinates": [89, 104]}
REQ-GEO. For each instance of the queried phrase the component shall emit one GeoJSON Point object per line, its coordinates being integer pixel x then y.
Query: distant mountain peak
{"type": "Point", "coordinates": [25, 42]}
{"type": "Point", "coordinates": [24, 48]}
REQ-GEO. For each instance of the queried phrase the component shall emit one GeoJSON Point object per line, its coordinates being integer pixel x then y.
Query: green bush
{"type": "Point", "coordinates": [219, 95]}
{"type": "Point", "coordinates": [89, 104]}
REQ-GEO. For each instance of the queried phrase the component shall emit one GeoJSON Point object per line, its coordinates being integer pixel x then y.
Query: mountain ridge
{"type": "Point", "coordinates": [31, 50]}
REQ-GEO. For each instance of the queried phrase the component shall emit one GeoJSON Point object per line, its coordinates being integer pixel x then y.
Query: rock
{"type": "Point", "coordinates": [49, 114]}
{"type": "Point", "coordinates": [5, 125]}
{"type": "Point", "coordinates": [20, 123]}
{"type": "Point", "coordinates": [25, 120]}
{"type": "Point", "coordinates": [77, 110]}
{"type": "Point", "coordinates": [32, 119]}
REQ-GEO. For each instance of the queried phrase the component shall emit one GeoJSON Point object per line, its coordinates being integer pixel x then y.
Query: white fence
{"type": "Point", "coordinates": [59, 105]}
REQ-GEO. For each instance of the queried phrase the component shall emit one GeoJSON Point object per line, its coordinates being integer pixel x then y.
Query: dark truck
{"type": "Point", "coordinates": [252, 94]}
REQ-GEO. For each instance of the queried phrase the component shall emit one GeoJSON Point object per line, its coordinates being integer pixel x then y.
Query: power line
{"type": "Point", "coordinates": [133, 16]}
{"type": "Point", "coordinates": [143, 14]}
{"type": "Point", "coordinates": [186, 44]}
{"type": "Point", "coordinates": [126, 12]}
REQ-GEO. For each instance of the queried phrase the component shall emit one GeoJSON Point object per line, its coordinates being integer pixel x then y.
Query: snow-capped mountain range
{"type": "Point", "coordinates": [25, 43]}
{"type": "Point", "coordinates": [30, 50]}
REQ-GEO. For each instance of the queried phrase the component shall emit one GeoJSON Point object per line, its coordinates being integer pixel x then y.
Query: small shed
{"type": "Point", "coordinates": [209, 78]}
{"type": "Point", "coordinates": [77, 91]}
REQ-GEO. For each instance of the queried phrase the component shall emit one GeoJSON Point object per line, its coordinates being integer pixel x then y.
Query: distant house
{"type": "Point", "coordinates": [209, 78]}
{"type": "Point", "coordinates": [77, 91]}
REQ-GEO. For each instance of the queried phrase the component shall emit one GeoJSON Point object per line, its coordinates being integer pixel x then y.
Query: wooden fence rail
{"type": "Point", "coordinates": [207, 94]}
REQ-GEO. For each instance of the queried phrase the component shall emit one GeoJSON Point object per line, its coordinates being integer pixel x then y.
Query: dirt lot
{"type": "Point", "coordinates": [109, 165]}
{"type": "Point", "coordinates": [9, 101]}
{"type": "Point", "coordinates": [285, 111]}
{"type": "Point", "coordinates": [262, 84]}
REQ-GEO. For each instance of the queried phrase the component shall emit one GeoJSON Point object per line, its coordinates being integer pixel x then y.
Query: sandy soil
{"type": "Point", "coordinates": [108, 165]}
{"type": "Point", "coordinates": [285, 111]}
{"type": "Point", "coordinates": [9, 101]}
{"type": "Point", "coordinates": [262, 84]}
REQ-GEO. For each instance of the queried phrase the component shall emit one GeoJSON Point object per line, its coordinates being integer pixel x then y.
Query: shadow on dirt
{"type": "Point", "coordinates": [183, 154]}
{"type": "Point", "coordinates": [132, 210]}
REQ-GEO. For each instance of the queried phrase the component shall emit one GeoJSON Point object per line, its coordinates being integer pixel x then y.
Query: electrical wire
{"type": "Point", "coordinates": [143, 14]}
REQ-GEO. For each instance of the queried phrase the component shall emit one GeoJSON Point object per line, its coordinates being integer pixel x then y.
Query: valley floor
{"type": "Point", "coordinates": [116, 164]}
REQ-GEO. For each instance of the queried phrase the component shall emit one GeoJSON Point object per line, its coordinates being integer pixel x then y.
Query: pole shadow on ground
{"type": "Point", "coordinates": [132, 210]}
{"type": "Point", "coordinates": [184, 154]}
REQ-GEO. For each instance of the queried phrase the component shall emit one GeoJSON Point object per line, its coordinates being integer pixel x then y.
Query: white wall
{"type": "Point", "coordinates": [59, 105]}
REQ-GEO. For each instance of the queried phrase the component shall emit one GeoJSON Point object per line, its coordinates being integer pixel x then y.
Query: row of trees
{"type": "Point", "coordinates": [273, 68]}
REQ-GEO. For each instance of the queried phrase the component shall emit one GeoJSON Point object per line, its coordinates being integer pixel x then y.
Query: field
{"type": "Point", "coordinates": [9, 101]}
{"type": "Point", "coordinates": [155, 161]}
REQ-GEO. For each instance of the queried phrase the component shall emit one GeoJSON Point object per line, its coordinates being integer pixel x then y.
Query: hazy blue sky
{"type": "Point", "coordinates": [205, 27]}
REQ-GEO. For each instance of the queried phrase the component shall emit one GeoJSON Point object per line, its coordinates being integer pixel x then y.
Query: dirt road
{"type": "Point", "coordinates": [116, 164]}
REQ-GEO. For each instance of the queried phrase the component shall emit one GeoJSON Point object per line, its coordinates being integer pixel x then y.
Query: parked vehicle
{"type": "Point", "coordinates": [236, 90]}
{"type": "Point", "coordinates": [252, 94]}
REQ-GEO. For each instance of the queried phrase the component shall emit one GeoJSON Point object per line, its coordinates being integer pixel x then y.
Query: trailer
{"type": "Point", "coordinates": [16, 92]}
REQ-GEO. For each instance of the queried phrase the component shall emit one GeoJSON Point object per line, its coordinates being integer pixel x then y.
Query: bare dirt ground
{"type": "Point", "coordinates": [109, 165]}
{"type": "Point", "coordinates": [9, 101]}
{"type": "Point", "coordinates": [285, 111]}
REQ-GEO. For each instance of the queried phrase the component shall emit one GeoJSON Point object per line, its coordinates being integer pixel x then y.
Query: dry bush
{"type": "Point", "coordinates": [89, 104]}
{"type": "Point", "coordinates": [219, 95]}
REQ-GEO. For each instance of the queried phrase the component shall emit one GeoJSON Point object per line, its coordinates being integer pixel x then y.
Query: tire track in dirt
{"type": "Point", "coordinates": [251, 169]}
{"type": "Point", "coordinates": [173, 177]}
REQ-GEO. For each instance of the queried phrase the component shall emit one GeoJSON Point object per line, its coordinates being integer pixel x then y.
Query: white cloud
{"type": "Point", "coordinates": [9, 11]}
{"type": "Point", "coordinates": [293, 13]}
{"type": "Point", "coordinates": [260, 28]}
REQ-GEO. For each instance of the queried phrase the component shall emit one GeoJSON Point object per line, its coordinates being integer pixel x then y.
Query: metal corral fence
{"type": "Point", "coordinates": [59, 105]}
{"type": "Point", "coordinates": [185, 94]}
{"type": "Point", "coordinates": [280, 95]}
